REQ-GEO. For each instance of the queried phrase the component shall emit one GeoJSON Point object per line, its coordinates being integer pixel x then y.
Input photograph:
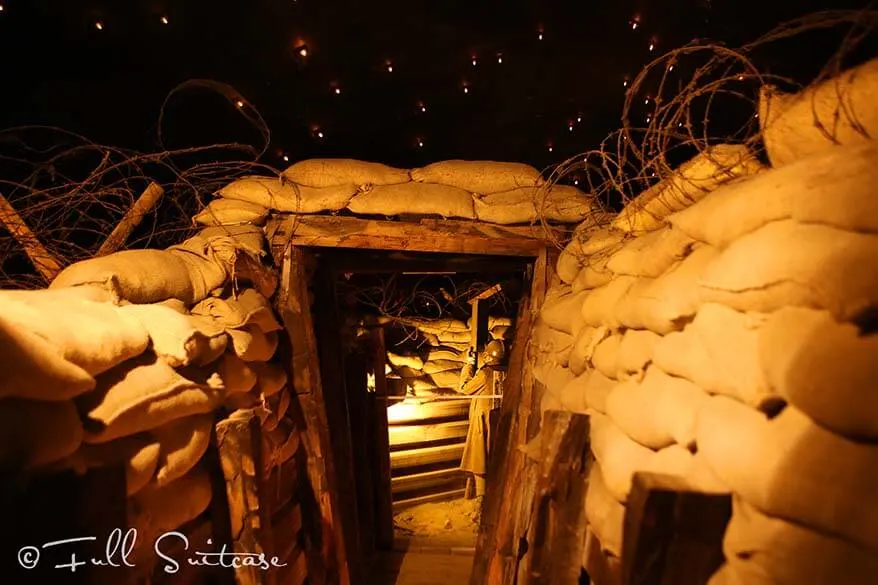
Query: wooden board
{"type": "Point", "coordinates": [425, 456]}
{"type": "Point", "coordinates": [296, 570]}
{"type": "Point", "coordinates": [412, 411]}
{"type": "Point", "coordinates": [443, 496]}
{"type": "Point", "coordinates": [447, 236]}
{"type": "Point", "coordinates": [426, 479]}
{"type": "Point", "coordinates": [380, 455]}
{"type": "Point", "coordinates": [673, 534]}
{"type": "Point", "coordinates": [401, 435]}
{"type": "Point", "coordinates": [286, 525]}
{"type": "Point", "coordinates": [282, 484]}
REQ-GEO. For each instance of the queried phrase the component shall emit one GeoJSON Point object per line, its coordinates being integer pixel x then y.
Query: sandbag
{"type": "Point", "coordinates": [225, 243]}
{"type": "Point", "coordinates": [599, 306]}
{"type": "Point", "coordinates": [719, 352]}
{"type": "Point", "coordinates": [434, 366]}
{"type": "Point", "coordinates": [252, 344]}
{"type": "Point", "coordinates": [282, 442]}
{"type": "Point", "coordinates": [787, 263]}
{"type": "Point", "coordinates": [61, 295]}
{"type": "Point", "coordinates": [658, 412]}
{"type": "Point", "coordinates": [137, 276]}
{"type": "Point", "coordinates": [652, 254]}
{"type": "Point", "coordinates": [583, 348]}
{"type": "Point", "coordinates": [605, 515]}
{"type": "Point", "coordinates": [93, 336]}
{"type": "Point", "coordinates": [827, 369]}
{"type": "Point", "coordinates": [34, 433]}
{"type": "Point", "coordinates": [560, 204]}
{"type": "Point", "coordinates": [435, 326]}
{"type": "Point", "coordinates": [30, 367]}
{"type": "Point", "coordinates": [277, 406]}
{"type": "Point", "coordinates": [597, 389]}
{"type": "Point", "coordinates": [414, 199]}
{"type": "Point", "coordinates": [557, 312]}
{"type": "Point", "coordinates": [691, 182]}
{"type": "Point", "coordinates": [249, 308]}
{"type": "Point", "coordinates": [182, 442]}
{"type": "Point", "coordinates": [441, 355]}
{"type": "Point", "coordinates": [232, 212]}
{"type": "Point", "coordinates": [635, 353]}
{"type": "Point", "coordinates": [236, 374]}
{"type": "Point", "coordinates": [668, 302]}
{"type": "Point", "coordinates": [606, 355]}
{"type": "Point", "coordinates": [584, 245]}
{"type": "Point", "coordinates": [446, 379]}
{"type": "Point", "coordinates": [145, 393]}
{"type": "Point", "coordinates": [178, 339]}
{"type": "Point", "coordinates": [592, 274]}
{"type": "Point", "coordinates": [572, 396]}
{"type": "Point", "coordinates": [138, 453]}
{"type": "Point", "coordinates": [454, 337]}
{"type": "Point", "coordinates": [411, 361]}
{"type": "Point", "coordinates": [504, 333]}
{"type": "Point", "coordinates": [479, 176]}
{"type": "Point", "coordinates": [328, 172]}
{"type": "Point", "coordinates": [270, 378]}
{"type": "Point", "coordinates": [284, 195]}
{"type": "Point", "coordinates": [407, 372]}
{"type": "Point", "coordinates": [551, 346]}
{"type": "Point", "coordinates": [617, 454]}
{"type": "Point", "coordinates": [833, 188]}
{"type": "Point", "coordinates": [156, 511]}
{"type": "Point", "coordinates": [791, 553]}
{"type": "Point", "coordinates": [791, 468]}
{"type": "Point", "coordinates": [840, 110]}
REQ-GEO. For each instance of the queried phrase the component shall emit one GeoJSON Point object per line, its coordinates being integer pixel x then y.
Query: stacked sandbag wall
{"type": "Point", "coordinates": [427, 426]}
{"type": "Point", "coordinates": [130, 359]}
{"type": "Point", "coordinates": [728, 337]}
{"type": "Point", "coordinates": [488, 191]}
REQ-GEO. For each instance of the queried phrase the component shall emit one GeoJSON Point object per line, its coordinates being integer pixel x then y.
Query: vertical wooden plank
{"type": "Point", "coordinates": [558, 523]}
{"type": "Point", "coordinates": [381, 446]}
{"type": "Point", "coordinates": [310, 412]}
{"type": "Point", "coordinates": [673, 534]}
{"type": "Point", "coordinates": [361, 434]}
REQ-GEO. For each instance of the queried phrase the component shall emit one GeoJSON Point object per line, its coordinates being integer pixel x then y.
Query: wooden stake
{"type": "Point", "coordinates": [43, 261]}
{"type": "Point", "coordinates": [132, 219]}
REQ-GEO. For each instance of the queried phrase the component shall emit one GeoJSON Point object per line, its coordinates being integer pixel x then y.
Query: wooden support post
{"type": "Point", "coordinates": [45, 263]}
{"type": "Point", "coordinates": [673, 534]}
{"type": "Point", "coordinates": [239, 443]}
{"type": "Point", "coordinates": [360, 401]}
{"type": "Point", "coordinates": [135, 214]}
{"type": "Point", "coordinates": [557, 536]}
{"type": "Point", "coordinates": [381, 446]}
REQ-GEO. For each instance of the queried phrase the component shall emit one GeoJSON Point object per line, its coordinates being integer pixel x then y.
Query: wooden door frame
{"type": "Point", "coordinates": [291, 240]}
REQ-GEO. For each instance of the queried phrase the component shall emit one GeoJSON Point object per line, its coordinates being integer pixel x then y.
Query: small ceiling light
{"type": "Point", "coordinates": [475, 61]}
{"type": "Point", "coordinates": [1, 8]}
{"type": "Point", "coordinates": [389, 66]}
{"type": "Point", "coordinates": [625, 83]}
{"type": "Point", "coordinates": [652, 45]}
{"type": "Point", "coordinates": [579, 118]}
{"type": "Point", "coordinates": [634, 25]}
{"type": "Point", "coordinates": [551, 148]}
{"type": "Point", "coordinates": [302, 50]}
{"type": "Point", "coordinates": [420, 143]}
{"type": "Point", "coordinates": [671, 68]}
{"type": "Point", "coordinates": [499, 58]}
{"type": "Point", "coordinates": [337, 91]}
{"type": "Point", "coordinates": [239, 103]}
{"type": "Point", "coordinates": [570, 126]}
{"type": "Point", "coordinates": [164, 20]}
{"type": "Point", "coordinates": [320, 134]}
{"type": "Point", "coordinates": [422, 106]}
{"type": "Point", "coordinates": [740, 78]}
{"type": "Point", "coordinates": [575, 181]}
{"type": "Point", "coordinates": [99, 25]}
{"type": "Point", "coordinates": [646, 101]}
{"type": "Point", "coordinates": [540, 36]}
{"type": "Point", "coordinates": [286, 158]}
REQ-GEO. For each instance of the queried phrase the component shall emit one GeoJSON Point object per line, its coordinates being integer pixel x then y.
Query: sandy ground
{"type": "Point", "coordinates": [455, 519]}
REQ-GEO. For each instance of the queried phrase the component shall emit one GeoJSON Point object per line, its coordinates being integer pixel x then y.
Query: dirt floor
{"type": "Point", "coordinates": [454, 520]}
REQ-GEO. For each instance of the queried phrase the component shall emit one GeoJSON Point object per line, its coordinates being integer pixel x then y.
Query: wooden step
{"type": "Point", "coordinates": [427, 479]}
{"type": "Point", "coordinates": [409, 411]}
{"type": "Point", "coordinates": [413, 434]}
{"type": "Point", "coordinates": [426, 456]}
{"type": "Point", "coordinates": [442, 496]}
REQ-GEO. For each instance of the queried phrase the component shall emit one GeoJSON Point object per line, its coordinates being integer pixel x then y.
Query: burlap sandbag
{"type": "Point", "coordinates": [61, 295]}
{"type": "Point", "coordinates": [597, 389]}
{"type": "Point", "coordinates": [826, 369]}
{"type": "Point", "coordinates": [606, 355]}
{"type": "Point", "coordinates": [659, 411]}
{"type": "Point", "coordinates": [572, 396]}
{"type": "Point", "coordinates": [791, 468]}
{"type": "Point", "coordinates": [414, 199]}
{"type": "Point", "coordinates": [252, 344]}
{"type": "Point", "coordinates": [328, 172]}
{"type": "Point", "coordinates": [652, 254]}
{"type": "Point", "coordinates": [791, 553]}
{"type": "Point", "coordinates": [156, 511]}
{"type": "Point", "coordinates": [411, 361]}
{"type": "Point", "coordinates": [454, 337]}
{"type": "Point", "coordinates": [236, 374]}
{"type": "Point", "coordinates": [550, 345]}
{"type": "Point", "coordinates": [503, 333]}
{"type": "Point", "coordinates": [688, 184]}
{"type": "Point", "coordinates": [407, 372]}
{"type": "Point", "coordinates": [35, 433]}
{"type": "Point", "coordinates": [599, 306]}
{"type": "Point", "coordinates": [583, 246]}
{"type": "Point", "coordinates": [736, 574]}
{"type": "Point", "coordinates": [446, 379]}
{"type": "Point", "coordinates": [270, 377]}
{"type": "Point", "coordinates": [833, 188]}
{"type": "Point", "coordinates": [479, 176]}
{"type": "Point", "coordinates": [604, 513]}
{"type": "Point", "coordinates": [787, 263]}
{"type": "Point", "coordinates": [439, 355]}
{"type": "Point", "coordinates": [225, 242]}
{"type": "Point", "coordinates": [584, 347]}
{"type": "Point", "coordinates": [667, 303]}
{"type": "Point", "coordinates": [592, 274]}
{"type": "Point", "coordinates": [277, 407]}
{"type": "Point", "coordinates": [138, 453]}
{"type": "Point", "coordinates": [247, 401]}
{"type": "Point", "coordinates": [635, 353]}
{"type": "Point", "coordinates": [840, 110]}
{"type": "Point", "coordinates": [232, 212]}
{"type": "Point", "coordinates": [93, 336]}
{"type": "Point", "coordinates": [282, 442]}
{"type": "Point", "coordinates": [434, 366]}
{"type": "Point", "coordinates": [30, 367]}
{"type": "Point", "coordinates": [560, 204]}
{"type": "Point", "coordinates": [558, 312]}
{"type": "Point", "coordinates": [145, 393]}
{"type": "Point", "coordinates": [183, 442]}
{"type": "Point", "coordinates": [137, 276]}
{"type": "Point", "coordinates": [719, 352]}
{"type": "Point", "coordinates": [617, 454]}
{"type": "Point", "coordinates": [250, 307]}
{"type": "Point", "coordinates": [286, 196]}
{"type": "Point", "coordinates": [178, 339]}
{"type": "Point", "coordinates": [435, 326]}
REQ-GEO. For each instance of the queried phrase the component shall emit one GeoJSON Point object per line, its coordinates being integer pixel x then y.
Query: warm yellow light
{"type": "Point", "coordinates": [475, 61]}
{"type": "Point", "coordinates": [239, 103]}
{"type": "Point", "coordinates": [740, 78]}
{"type": "Point", "coordinates": [164, 20]}
{"type": "Point", "coordinates": [370, 382]}
{"type": "Point", "coordinates": [465, 90]}
{"type": "Point", "coordinates": [402, 411]}
{"type": "Point", "coordinates": [320, 135]}
{"type": "Point", "coordinates": [579, 118]}
{"type": "Point", "coordinates": [540, 36]}
{"type": "Point", "coordinates": [420, 143]}
{"type": "Point", "coordinates": [1, 8]}
{"type": "Point", "coordinates": [651, 46]}
{"type": "Point", "coordinates": [671, 68]}
{"type": "Point", "coordinates": [499, 58]}
{"type": "Point", "coordinates": [625, 83]}
{"type": "Point", "coordinates": [551, 148]}
{"type": "Point", "coordinates": [286, 158]}
{"type": "Point", "coordinates": [99, 25]}
{"type": "Point", "coordinates": [337, 91]}
{"type": "Point", "coordinates": [646, 101]}
{"type": "Point", "coordinates": [303, 52]}
{"type": "Point", "coordinates": [634, 25]}
{"type": "Point", "coordinates": [575, 181]}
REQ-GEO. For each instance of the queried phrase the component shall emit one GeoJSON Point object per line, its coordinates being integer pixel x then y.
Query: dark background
{"type": "Point", "coordinates": [57, 68]}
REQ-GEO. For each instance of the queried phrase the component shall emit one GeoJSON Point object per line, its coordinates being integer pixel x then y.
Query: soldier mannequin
{"type": "Point", "coordinates": [479, 383]}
